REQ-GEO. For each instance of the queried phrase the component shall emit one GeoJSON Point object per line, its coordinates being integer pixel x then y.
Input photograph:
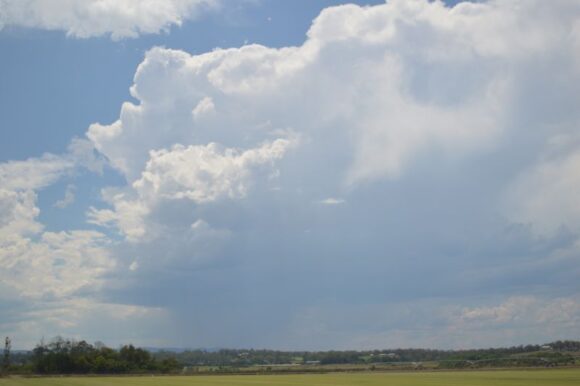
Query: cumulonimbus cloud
{"type": "Point", "coordinates": [378, 88]}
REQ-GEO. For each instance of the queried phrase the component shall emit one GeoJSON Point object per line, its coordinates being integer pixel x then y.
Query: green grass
{"type": "Point", "coordinates": [476, 378]}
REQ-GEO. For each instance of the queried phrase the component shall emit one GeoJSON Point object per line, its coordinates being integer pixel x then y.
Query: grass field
{"type": "Point", "coordinates": [480, 378]}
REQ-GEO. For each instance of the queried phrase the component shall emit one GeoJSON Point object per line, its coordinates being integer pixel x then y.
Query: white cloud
{"type": "Point", "coordinates": [545, 195]}
{"type": "Point", "coordinates": [34, 173]}
{"type": "Point", "coordinates": [83, 153]}
{"type": "Point", "coordinates": [18, 213]}
{"type": "Point", "coordinates": [511, 310]}
{"type": "Point", "coordinates": [205, 173]}
{"type": "Point", "coordinates": [36, 263]}
{"type": "Point", "coordinates": [127, 216]}
{"type": "Point", "coordinates": [204, 107]}
{"type": "Point", "coordinates": [524, 312]}
{"type": "Point", "coordinates": [201, 174]}
{"type": "Point", "coordinates": [54, 266]}
{"type": "Point", "coordinates": [38, 173]}
{"type": "Point", "coordinates": [19, 182]}
{"type": "Point", "coordinates": [88, 18]}
{"type": "Point", "coordinates": [39, 268]}
{"type": "Point", "coordinates": [68, 199]}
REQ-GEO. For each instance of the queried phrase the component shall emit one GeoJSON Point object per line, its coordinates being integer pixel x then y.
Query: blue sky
{"type": "Point", "coordinates": [294, 175]}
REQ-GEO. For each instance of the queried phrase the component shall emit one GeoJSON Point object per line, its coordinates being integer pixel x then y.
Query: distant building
{"type": "Point", "coordinates": [417, 365]}
{"type": "Point", "coordinates": [390, 355]}
{"type": "Point", "coordinates": [188, 370]}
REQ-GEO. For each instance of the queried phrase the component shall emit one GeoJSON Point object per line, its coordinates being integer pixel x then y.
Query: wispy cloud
{"type": "Point", "coordinates": [69, 197]}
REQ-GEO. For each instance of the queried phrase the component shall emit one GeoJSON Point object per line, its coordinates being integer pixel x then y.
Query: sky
{"type": "Point", "coordinates": [299, 175]}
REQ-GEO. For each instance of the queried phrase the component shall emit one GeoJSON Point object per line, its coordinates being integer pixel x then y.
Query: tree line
{"type": "Point", "coordinates": [66, 356]}
{"type": "Point", "coordinates": [240, 358]}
